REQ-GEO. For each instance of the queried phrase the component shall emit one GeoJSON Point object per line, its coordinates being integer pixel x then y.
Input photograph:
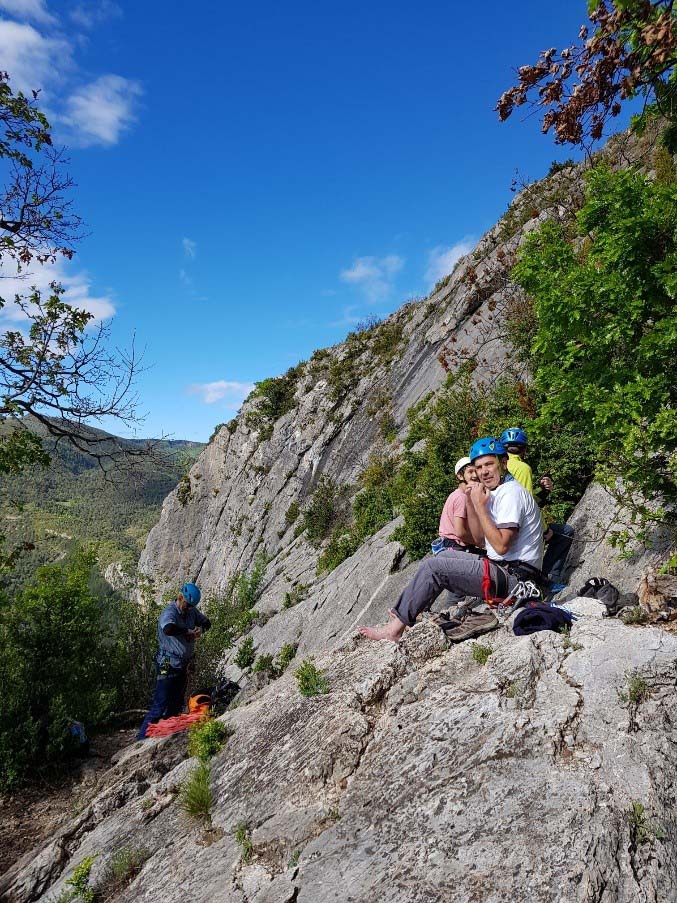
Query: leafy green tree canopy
{"type": "Point", "coordinates": [606, 338]}
{"type": "Point", "coordinates": [56, 666]}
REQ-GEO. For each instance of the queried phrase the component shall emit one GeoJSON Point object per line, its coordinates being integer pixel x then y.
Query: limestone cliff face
{"type": "Point", "coordinates": [239, 491]}
{"type": "Point", "coordinates": [242, 485]}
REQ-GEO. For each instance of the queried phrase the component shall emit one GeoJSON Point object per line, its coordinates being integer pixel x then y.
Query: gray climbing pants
{"type": "Point", "coordinates": [459, 572]}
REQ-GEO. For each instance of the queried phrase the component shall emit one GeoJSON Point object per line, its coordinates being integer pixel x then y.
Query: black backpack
{"type": "Point", "coordinates": [605, 592]}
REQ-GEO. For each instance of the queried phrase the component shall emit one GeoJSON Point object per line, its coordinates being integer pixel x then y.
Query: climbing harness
{"type": "Point", "coordinates": [502, 600]}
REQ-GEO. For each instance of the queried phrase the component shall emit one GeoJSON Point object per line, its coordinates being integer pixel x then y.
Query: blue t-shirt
{"type": "Point", "coordinates": [179, 650]}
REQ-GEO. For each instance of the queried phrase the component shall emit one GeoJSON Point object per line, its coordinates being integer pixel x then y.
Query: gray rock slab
{"type": "Point", "coordinates": [422, 775]}
{"type": "Point", "coordinates": [595, 518]}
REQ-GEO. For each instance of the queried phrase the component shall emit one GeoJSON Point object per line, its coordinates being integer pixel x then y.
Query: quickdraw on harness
{"type": "Point", "coordinates": [502, 599]}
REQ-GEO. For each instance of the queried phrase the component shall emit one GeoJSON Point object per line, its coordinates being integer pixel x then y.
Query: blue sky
{"type": "Point", "coordinates": [256, 178]}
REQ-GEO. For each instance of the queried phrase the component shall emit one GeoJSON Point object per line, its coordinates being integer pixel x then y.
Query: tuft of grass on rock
{"type": "Point", "coordinates": [121, 869]}
{"type": "Point", "coordinates": [568, 644]}
{"type": "Point", "coordinates": [196, 794]}
{"type": "Point", "coordinates": [242, 835]}
{"type": "Point", "coordinates": [637, 689]}
{"type": "Point", "coordinates": [634, 615]}
{"type": "Point", "coordinates": [641, 829]}
{"type": "Point", "coordinates": [481, 653]}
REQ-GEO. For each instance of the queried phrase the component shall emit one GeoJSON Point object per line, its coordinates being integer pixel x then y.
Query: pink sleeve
{"type": "Point", "coordinates": [446, 520]}
{"type": "Point", "coordinates": [459, 505]}
{"type": "Point", "coordinates": [455, 506]}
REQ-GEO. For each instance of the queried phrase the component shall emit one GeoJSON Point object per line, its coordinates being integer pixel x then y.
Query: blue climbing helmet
{"type": "Point", "coordinates": [514, 436]}
{"type": "Point", "coordinates": [487, 446]}
{"type": "Point", "coordinates": [190, 593]}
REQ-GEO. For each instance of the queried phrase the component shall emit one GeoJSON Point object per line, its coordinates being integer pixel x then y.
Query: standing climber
{"type": "Point", "coordinates": [179, 625]}
{"type": "Point", "coordinates": [558, 537]}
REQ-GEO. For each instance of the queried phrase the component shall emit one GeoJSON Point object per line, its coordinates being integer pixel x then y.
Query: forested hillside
{"type": "Point", "coordinates": [72, 503]}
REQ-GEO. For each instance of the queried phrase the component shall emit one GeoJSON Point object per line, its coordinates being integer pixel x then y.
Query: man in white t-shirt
{"type": "Point", "coordinates": [511, 523]}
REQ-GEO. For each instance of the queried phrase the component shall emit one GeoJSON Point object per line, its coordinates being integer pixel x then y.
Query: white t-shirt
{"type": "Point", "coordinates": [512, 506]}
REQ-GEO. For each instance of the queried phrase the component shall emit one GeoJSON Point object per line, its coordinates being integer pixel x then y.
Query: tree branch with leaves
{"type": "Point", "coordinates": [628, 50]}
{"type": "Point", "coordinates": [55, 363]}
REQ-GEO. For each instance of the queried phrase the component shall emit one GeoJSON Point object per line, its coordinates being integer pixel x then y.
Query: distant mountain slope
{"type": "Point", "coordinates": [71, 503]}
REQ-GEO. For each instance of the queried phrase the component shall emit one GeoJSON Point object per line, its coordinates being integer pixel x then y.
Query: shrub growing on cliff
{"type": "Point", "coordinates": [373, 508]}
{"type": "Point", "coordinates": [246, 654]}
{"type": "Point", "coordinates": [275, 398]}
{"type": "Point", "coordinates": [286, 655]}
{"type": "Point", "coordinates": [206, 738]}
{"type": "Point", "coordinates": [606, 339]}
{"type": "Point", "coordinates": [81, 889]}
{"type": "Point", "coordinates": [387, 341]}
{"type": "Point", "coordinates": [328, 508]}
{"type": "Point", "coordinates": [231, 615]}
{"type": "Point", "coordinates": [310, 680]}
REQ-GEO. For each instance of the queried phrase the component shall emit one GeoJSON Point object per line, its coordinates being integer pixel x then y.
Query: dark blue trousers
{"type": "Point", "coordinates": [557, 550]}
{"type": "Point", "coordinates": [167, 699]}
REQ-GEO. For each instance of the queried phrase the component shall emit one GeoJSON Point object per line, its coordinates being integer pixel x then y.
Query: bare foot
{"type": "Point", "coordinates": [391, 631]}
{"type": "Point", "coordinates": [391, 614]}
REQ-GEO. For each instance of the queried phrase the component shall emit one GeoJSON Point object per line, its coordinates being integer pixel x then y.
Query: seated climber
{"type": "Point", "coordinates": [179, 625]}
{"type": "Point", "coordinates": [558, 537]}
{"type": "Point", "coordinates": [459, 526]}
{"type": "Point", "coordinates": [512, 527]}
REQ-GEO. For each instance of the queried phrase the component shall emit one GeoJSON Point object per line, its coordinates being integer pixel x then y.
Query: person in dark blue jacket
{"type": "Point", "coordinates": [179, 625]}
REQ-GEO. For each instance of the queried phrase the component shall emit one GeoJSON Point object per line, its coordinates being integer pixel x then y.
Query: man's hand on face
{"type": "Point", "coordinates": [479, 495]}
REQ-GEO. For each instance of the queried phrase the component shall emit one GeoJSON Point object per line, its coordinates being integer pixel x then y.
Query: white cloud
{"type": "Point", "coordinates": [97, 113]}
{"type": "Point", "coordinates": [89, 15]}
{"type": "Point", "coordinates": [77, 285]}
{"type": "Point", "coordinates": [374, 275]}
{"type": "Point", "coordinates": [441, 260]}
{"type": "Point", "coordinates": [32, 60]}
{"type": "Point", "coordinates": [35, 10]}
{"type": "Point", "coordinates": [233, 393]}
{"type": "Point", "coordinates": [189, 247]}
{"type": "Point", "coordinates": [41, 59]}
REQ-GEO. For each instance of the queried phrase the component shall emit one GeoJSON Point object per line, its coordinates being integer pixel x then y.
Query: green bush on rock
{"type": "Point", "coordinates": [604, 349]}
{"type": "Point", "coordinates": [310, 680]}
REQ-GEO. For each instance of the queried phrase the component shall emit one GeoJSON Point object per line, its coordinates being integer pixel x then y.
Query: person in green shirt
{"type": "Point", "coordinates": [557, 536]}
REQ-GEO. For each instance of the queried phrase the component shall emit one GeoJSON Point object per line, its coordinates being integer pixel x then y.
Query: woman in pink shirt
{"type": "Point", "coordinates": [457, 520]}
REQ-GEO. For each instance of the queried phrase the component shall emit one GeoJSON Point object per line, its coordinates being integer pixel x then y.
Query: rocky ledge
{"type": "Point", "coordinates": [546, 773]}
